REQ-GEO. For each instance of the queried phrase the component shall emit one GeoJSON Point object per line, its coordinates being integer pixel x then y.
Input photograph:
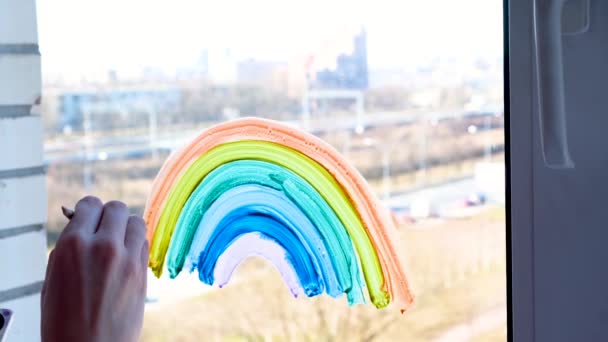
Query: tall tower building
{"type": "Point", "coordinates": [361, 78]}
{"type": "Point", "coordinates": [351, 70]}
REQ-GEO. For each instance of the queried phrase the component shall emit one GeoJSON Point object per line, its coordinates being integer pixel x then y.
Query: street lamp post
{"type": "Point", "coordinates": [386, 149]}
{"type": "Point", "coordinates": [306, 110]}
{"type": "Point", "coordinates": [86, 125]}
{"type": "Point", "coordinates": [488, 142]}
{"type": "Point", "coordinates": [152, 124]}
{"type": "Point", "coordinates": [423, 151]}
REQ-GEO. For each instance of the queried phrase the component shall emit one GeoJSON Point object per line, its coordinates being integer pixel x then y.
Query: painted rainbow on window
{"type": "Point", "coordinates": [258, 187]}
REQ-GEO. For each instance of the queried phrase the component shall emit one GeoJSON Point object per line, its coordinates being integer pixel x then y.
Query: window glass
{"type": "Point", "coordinates": [409, 91]}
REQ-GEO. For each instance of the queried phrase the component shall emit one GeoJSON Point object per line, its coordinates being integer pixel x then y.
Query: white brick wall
{"type": "Point", "coordinates": [20, 80]}
{"type": "Point", "coordinates": [25, 326]}
{"type": "Point", "coordinates": [23, 201]}
{"type": "Point", "coordinates": [18, 22]}
{"type": "Point", "coordinates": [34, 261]}
{"type": "Point", "coordinates": [23, 197]}
{"type": "Point", "coordinates": [11, 135]}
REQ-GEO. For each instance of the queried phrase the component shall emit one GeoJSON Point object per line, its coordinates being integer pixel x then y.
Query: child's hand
{"type": "Point", "coordinates": [95, 285]}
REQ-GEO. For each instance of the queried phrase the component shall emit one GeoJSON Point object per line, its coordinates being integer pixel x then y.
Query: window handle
{"type": "Point", "coordinates": [550, 83]}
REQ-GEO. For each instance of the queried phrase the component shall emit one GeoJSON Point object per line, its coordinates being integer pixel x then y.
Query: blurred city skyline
{"type": "Point", "coordinates": [87, 39]}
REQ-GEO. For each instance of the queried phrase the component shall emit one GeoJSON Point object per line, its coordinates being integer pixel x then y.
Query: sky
{"type": "Point", "coordinates": [85, 37]}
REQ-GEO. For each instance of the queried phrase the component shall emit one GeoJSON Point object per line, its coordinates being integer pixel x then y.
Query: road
{"type": "Point", "coordinates": [439, 196]}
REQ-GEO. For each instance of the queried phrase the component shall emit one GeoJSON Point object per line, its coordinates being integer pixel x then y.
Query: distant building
{"type": "Point", "coordinates": [351, 70]}
{"type": "Point", "coordinates": [71, 104]}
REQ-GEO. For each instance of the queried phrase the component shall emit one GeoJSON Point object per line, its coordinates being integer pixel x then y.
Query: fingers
{"type": "Point", "coordinates": [135, 234]}
{"type": "Point", "coordinates": [114, 220]}
{"type": "Point", "coordinates": [144, 265]}
{"type": "Point", "coordinates": [145, 251]}
{"type": "Point", "coordinates": [86, 216]}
